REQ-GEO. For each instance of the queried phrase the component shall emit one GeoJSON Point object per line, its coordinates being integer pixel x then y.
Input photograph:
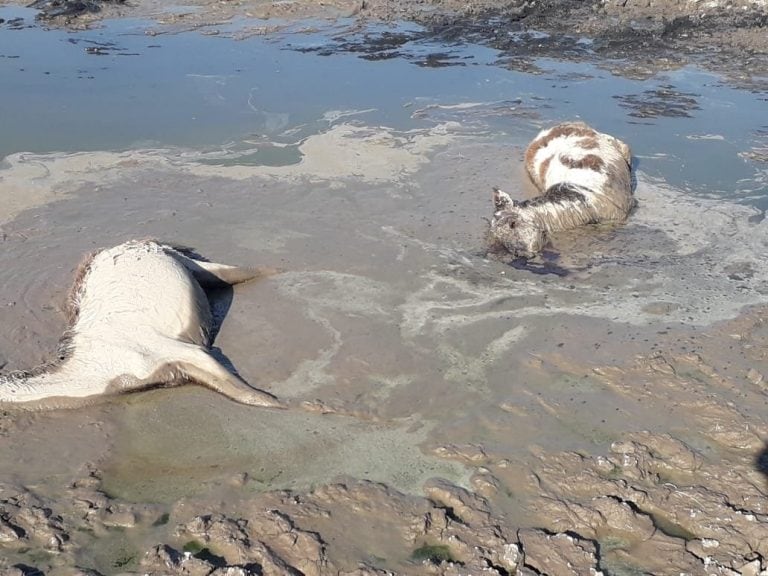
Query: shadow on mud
{"type": "Point", "coordinates": [545, 265]}
{"type": "Point", "coordinates": [761, 462]}
{"type": "Point", "coordinates": [28, 570]}
{"type": "Point", "coordinates": [220, 300]}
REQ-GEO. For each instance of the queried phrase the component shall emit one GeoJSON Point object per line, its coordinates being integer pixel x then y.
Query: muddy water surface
{"type": "Point", "coordinates": [629, 358]}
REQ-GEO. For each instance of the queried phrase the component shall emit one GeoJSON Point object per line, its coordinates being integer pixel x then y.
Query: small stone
{"type": "Point", "coordinates": [239, 480]}
{"type": "Point", "coordinates": [755, 377]}
{"type": "Point", "coordinates": [484, 484]}
{"type": "Point", "coordinates": [751, 568]}
{"type": "Point", "coordinates": [8, 533]}
{"type": "Point", "coordinates": [511, 556]}
{"type": "Point", "coordinates": [121, 518]}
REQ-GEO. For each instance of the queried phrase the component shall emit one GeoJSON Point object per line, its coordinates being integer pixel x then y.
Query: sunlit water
{"type": "Point", "coordinates": [118, 87]}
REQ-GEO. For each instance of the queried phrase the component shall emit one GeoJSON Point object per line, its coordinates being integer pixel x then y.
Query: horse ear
{"type": "Point", "coordinates": [501, 200]}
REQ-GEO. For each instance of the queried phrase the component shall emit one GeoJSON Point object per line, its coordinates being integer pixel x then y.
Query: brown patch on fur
{"type": "Point", "coordinates": [588, 162]}
{"type": "Point", "coordinates": [530, 153]}
{"type": "Point", "coordinates": [589, 143]}
{"type": "Point", "coordinates": [566, 130]}
{"type": "Point", "coordinates": [543, 169]}
{"type": "Point", "coordinates": [588, 135]}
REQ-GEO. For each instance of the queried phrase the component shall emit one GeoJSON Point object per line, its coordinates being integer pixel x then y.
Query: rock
{"type": "Point", "coordinates": [234, 571]}
{"type": "Point", "coordinates": [753, 568]}
{"type": "Point", "coordinates": [655, 493]}
{"type": "Point", "coordinates": [484, 483]}
{"type": "Point", "coordinates": [468, 507]}
{"type": "Point", "coordinates": [470, 454]}
{"type": "Point", "coordinates": [755, 377]}
{"type": "Point", "coordinates": [558, 554]}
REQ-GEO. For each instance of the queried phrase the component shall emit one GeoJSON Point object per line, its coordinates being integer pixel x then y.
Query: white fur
{"type": "Point", "coordinates": [143, 319]}
{"type": "Point", "coordinates": [583, 176]}
{"type": "Point", "coordinates": [613, 152]}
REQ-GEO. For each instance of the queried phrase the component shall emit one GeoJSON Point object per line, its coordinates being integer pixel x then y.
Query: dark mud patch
{"type": "Point", "coordinates": [98, 48]}
{"type": "Point", "coordinates": [68, 9]}
{"type": "Point", "coordinates": [13, 24]}
{"type": "Point", "coordinates": [383, 44]}
{"type": "Point", "coordinates": [638, 45]}
{"type": "Point", "coordinates": [643, 37]}
{"type": "Point", "coordinates": [641, 41]}
{"type": "Point", "coordinates": [664, 101]}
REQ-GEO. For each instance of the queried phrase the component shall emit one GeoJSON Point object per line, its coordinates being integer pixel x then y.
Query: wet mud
{"type": "Point", "coordinates": [451, 414]}
{"type": "Point", "coordinates": [601, 409]}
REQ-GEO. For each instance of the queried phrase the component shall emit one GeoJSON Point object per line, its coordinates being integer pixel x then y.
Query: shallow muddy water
{"type": "Point", "coordinates": [136, 84]}
{"type": "Point", "coordinates": [406, 352]}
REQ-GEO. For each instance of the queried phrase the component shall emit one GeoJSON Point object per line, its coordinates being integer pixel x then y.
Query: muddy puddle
{"type": "Point", "coordinates": [602, 408]}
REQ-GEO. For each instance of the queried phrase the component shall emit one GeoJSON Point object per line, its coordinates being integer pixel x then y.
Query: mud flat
{"type": "Point", "coordinates": [600, 410]}
{"type": "Point", "coordinates": [603, 410]}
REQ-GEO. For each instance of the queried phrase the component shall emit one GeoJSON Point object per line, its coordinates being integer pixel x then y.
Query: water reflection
{"type": "Point", "coordinates": [115, 87]}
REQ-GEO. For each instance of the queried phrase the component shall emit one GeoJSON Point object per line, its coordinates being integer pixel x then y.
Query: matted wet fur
{"type": "Point", "coordinates": [584, 178]}
{"type": "Point", "coordinates": [138, 317]}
